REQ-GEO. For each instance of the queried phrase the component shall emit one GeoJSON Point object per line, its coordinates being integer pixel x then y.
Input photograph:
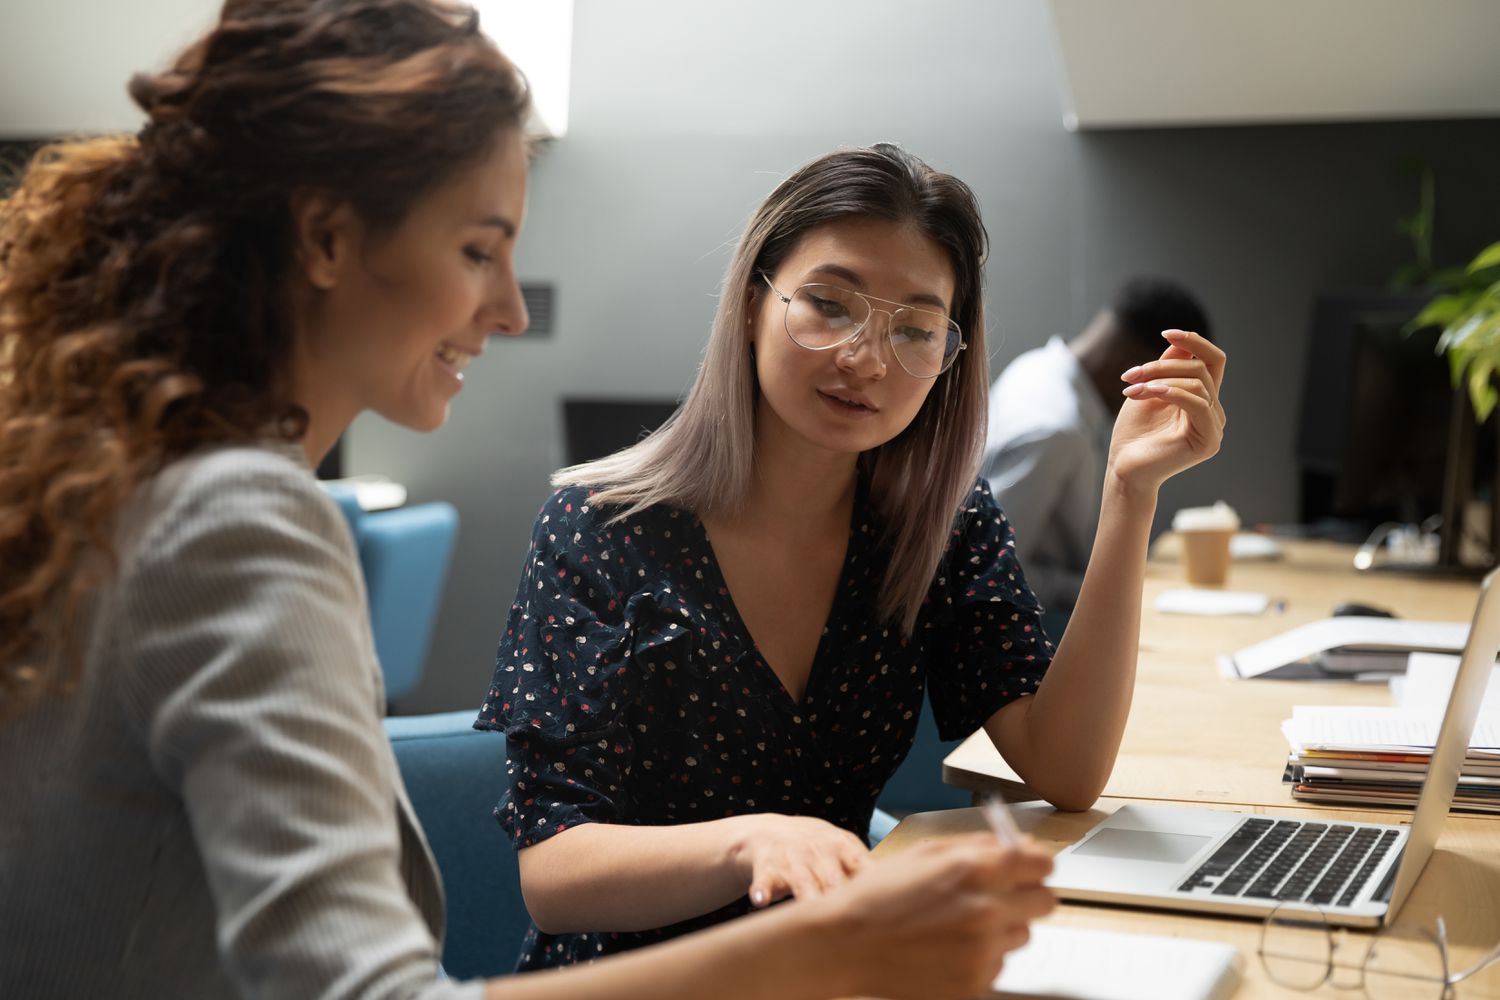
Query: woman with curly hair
{"type": "Point", "coordinates": [318, 219]}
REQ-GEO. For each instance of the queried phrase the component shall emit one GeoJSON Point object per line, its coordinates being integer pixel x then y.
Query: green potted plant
{"type": "Point", "coordinates": [1469, 317]}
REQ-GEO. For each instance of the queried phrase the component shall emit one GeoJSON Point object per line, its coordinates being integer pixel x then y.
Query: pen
{"type": "Point", "coordinates": [1000, 821]}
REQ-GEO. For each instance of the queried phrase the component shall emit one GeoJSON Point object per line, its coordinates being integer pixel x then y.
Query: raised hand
{"type": "Point", "coordinates": [1173, 417]}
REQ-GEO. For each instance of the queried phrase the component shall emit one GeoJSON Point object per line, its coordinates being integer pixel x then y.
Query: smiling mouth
{"type": "Point", "coordinates": [853, 405]}
{"type": "Point", "coordinates": [454, 358]}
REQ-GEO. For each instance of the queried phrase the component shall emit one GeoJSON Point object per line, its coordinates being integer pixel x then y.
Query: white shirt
{"type": "Point", "coordinates": [1044, 457]}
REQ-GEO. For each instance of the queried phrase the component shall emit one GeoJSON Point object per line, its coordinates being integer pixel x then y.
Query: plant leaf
{"type": "Point", "coordinates": [1482, 392]}
{"type": "Point", "coordinates": [1439, 312]}
{"type": "Point", "coordinates": [1460, 329]}
{"type": "Point", "coordinates": [1488, 257]}
{"type": "Point", "coordinates": [1484, 338]}
{"type": "Point", "coordinates": [1458, 360]}
{"type": "Point", "coordinates": [1451, 279]}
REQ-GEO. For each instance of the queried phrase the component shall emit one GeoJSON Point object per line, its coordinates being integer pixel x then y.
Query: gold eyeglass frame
{"type": "Point", "coordinates": [859, 329]}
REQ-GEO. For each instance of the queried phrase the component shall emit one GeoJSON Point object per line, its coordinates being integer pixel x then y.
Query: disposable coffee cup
{"type": "Point", "coordinates": [1205, 534]}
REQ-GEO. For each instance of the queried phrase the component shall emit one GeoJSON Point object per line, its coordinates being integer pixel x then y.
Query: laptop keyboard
{"type": "Point", "coordinates": [1321, 863]}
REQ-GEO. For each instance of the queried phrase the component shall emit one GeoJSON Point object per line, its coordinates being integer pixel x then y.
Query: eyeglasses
{"type": "Point", "coordinates": [1298, 950]}
{"type": "Point", "coordinates": [821, 317]}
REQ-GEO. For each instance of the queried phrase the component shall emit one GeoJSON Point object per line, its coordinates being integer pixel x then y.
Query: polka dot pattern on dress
{"type": "Point", "coordinates": [630, 691]}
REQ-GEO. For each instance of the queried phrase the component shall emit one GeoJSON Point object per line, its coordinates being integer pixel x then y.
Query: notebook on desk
{"type": "Point", "coordinates": [1085, 964]}
{"type": "Point", "coordinates": [1213, 861]}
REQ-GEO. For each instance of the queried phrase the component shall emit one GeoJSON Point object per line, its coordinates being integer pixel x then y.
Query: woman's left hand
{"type": "Point", "coordinates": [1172, 418]}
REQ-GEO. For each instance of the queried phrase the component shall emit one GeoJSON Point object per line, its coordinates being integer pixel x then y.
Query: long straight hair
{"type": "Point", "coordinates": [701, 459]}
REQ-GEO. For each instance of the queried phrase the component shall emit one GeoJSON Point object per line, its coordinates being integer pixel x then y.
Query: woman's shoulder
{"type": "Point", "coordinates": [980, 558]}
{"type": "Point", "coordinates": [223, 487]}
{"type": "Point", "coordinates": [573, 504]}
{"type": "Point", "coordinates": [214, 469]}
{"type": "Point", "coordinates": [574, 511]}
{"type": "Point", "coordinates": [980, 510]}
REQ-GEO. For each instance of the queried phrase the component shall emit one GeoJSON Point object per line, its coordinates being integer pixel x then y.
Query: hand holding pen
{"type": "Point", "coordinates": [1003, 826]}
{"type": "Point", "coordinates": [969, 899]}
{"type": "Point", "coordinates": [1000, 821]}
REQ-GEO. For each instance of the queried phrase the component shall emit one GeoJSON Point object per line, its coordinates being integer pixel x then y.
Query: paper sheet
{"type": "Point", "coordinates": [1193, 601]}
{"type": "Point", "coordinates": [1429, 681]}
{"type": "Point", "coordinates": [1104, 965]}
{"type": "Point", "coordinates": [1350, 632]}
{"type": "Point", "coordinates": [1247, 545]}
{"type": "Point", "coordinates": [1389, 729]}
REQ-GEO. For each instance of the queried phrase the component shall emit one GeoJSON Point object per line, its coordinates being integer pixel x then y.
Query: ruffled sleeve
{"type": "Point", "coordinates": [992, 649]}
{"type": "Point", "coordinates": [563, 679]}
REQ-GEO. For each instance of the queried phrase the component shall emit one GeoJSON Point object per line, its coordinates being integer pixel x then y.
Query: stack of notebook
{"type": "Point", "coordinates": [1379, 756]}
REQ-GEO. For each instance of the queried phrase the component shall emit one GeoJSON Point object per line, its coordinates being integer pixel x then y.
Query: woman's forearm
{"type": "Point", "coordinates": [783, 954]}
{"type": "Point", "coordinates": [1064, 739]}
{"type": "Point", "coordinates": [614, 877]}
{"type": "Point", "coordinates": [936, 922]}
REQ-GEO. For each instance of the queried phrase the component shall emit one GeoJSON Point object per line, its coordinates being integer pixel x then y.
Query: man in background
{"type": "Point", "coordinates": [1051, 414]}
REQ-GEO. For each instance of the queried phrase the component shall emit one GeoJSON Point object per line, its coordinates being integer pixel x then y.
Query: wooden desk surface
{"type": "Point", "coordinates": [1196, 736]}
{"type": "Point", "coordinates": [1461, 882]}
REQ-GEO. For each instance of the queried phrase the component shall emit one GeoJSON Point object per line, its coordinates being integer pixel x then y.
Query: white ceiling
{"type": "Point", "coordinates": [1242, 62]}
{"type": "Point", "coordinates": [64, 64]}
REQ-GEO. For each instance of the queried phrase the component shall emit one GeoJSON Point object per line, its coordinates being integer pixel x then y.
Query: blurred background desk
{"type": "Point", "coordinates": [1461, 882]}
{"type": "Point", "coordinates": [1197, 736]}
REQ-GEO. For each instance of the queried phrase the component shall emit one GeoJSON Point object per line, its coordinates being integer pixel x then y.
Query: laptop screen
{"type": "Point", "coordinates": [1452, 742]}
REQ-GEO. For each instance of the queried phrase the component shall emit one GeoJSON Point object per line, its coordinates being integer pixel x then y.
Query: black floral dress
{"type": "Point", "coordinates": [630, 690]}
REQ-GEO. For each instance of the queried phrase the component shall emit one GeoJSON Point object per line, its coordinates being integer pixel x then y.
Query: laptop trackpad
{"type": "Point", "coordinates": [1142, 845]}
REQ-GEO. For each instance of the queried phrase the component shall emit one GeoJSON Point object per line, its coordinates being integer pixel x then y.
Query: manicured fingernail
{"type": "Point", "coordinates": [1131, 373]}
{"type": "Point", "coordinates": [758, 897]}
{"type": "Point", "coordinates": [1133, 390]}
{"type": "Point", "coordinates": [1169, 334]}
{"type": "Point", "coordinates": [1155, 387]}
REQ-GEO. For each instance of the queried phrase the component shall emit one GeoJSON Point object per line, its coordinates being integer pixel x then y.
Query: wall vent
{"type": "Point", "coordinates": [541, 299]}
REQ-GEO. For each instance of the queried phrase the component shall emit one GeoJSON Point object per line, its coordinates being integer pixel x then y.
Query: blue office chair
{"type": "Point", "coordinates": [404, 554]}
{"type": "Point", "coordinates": [917, 785]}
{"type": "Point", "coordinates": [454, 775]}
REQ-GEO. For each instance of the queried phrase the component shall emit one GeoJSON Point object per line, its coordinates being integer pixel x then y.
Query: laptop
{"type": "Point", "coordinates": [1213, 861]}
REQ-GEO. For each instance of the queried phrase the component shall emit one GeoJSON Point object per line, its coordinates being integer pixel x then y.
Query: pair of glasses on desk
{"type": "Point", "coordinates": [1299, 950]}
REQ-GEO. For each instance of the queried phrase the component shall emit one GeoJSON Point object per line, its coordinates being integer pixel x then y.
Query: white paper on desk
{"type": "Point", "coordinates": [1248, 545]}
{"type": "Point", "coordinates": [1428, 683]}
{"type": "Point", "coordinates": [1352, 632]}
{"type": "Point", "coordinates": [1363, 728]}
{"type": "Point", "coordinates": [1193, 601]}
{"type": "Point", "coordinates": [1088, 964]}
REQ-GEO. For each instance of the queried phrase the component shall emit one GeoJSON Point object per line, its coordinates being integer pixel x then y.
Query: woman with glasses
{"type": "Point", "coordinates": [719, 646]}
{"type": "Point", "coordinates": [199, 799]}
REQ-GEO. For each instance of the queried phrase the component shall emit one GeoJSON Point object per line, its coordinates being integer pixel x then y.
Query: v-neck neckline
{"type": "Point", "coordinates": [835, 607]}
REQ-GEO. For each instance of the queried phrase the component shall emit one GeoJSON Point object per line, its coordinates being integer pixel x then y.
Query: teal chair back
{"type": "Point", "coordinates": [917, 785]}
{"type": "Point", "coordinates": [454, 775]}
{"type": "Point", "coordinates": [405, 554]}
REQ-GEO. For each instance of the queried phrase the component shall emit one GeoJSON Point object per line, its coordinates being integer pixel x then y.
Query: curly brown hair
{"type": "Point", "coordinates": [142, 279]}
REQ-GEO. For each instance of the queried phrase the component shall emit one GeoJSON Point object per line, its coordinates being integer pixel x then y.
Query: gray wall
{"type": "Point", "coordinates": [685, 114]}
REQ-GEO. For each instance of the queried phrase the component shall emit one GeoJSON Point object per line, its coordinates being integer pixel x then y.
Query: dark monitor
{"type": "Point", "coordinates": [593, 428]}
{"type": "Point", "coordinates": [1376, 405]}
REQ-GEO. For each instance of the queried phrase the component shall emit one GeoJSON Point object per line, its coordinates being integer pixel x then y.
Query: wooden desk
{"type": "Point", "coordinates": [1461, 882]}
{"type": "Point", "coordinates": [1196, 736]}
